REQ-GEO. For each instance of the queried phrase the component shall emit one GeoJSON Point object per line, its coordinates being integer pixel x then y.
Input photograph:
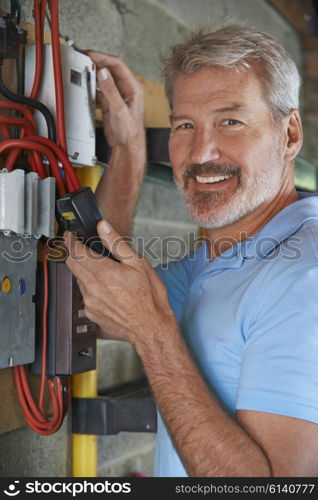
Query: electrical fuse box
{"type": "Point", "coordinates": [18, 257]}
{"type": "Point", "coordinates": [26, 213]}
{"type": "Point", "coordinates": [71, 336]}
{"type": "Point", "coordinates": [79, 85]}
{"type": "Point", "coordinates": [27, 203]}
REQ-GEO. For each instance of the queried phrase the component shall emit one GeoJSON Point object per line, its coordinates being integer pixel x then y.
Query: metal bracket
{"type": "Point", "coordinates": [108, 416]}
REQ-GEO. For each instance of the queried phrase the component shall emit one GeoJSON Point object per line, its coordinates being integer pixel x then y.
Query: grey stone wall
{"type": "Point", "coordinates": [137, 30]}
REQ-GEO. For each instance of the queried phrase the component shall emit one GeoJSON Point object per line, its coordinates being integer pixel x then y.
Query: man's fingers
{"type": "Point", "coordinates": [117, 67]}
{"type": "Point", "coordinates": [115, 243]}
{"type": "Point", "coordinates": [100, 58]}
{"type": "Point", "coordinates": [69, 240]}
{"type": "Point", "coordinates": [124, 78]}
{"type": "Point", "coordinates": [109, 90]}
{"type": "Point", "coordinates": [102, 102]}
{"type": "Point", "coordinates": [82, 259]}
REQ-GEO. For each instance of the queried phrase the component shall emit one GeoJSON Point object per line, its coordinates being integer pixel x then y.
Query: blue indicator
{"type": "Point", "coordinates": [22, 287]}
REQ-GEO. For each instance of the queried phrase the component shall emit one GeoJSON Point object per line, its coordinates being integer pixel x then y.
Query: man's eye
{"type": "Point", "coordinates": [184, 126]}
{"type": "Point", "coordinates": [230, 121]}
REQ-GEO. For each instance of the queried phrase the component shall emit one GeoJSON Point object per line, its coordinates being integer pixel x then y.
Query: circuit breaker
{"type": "Point", "coordinates": [17, 280]}
{"type": "Point", "coordinates": [71, 336]}
{"type": "Point", "coordinates": [26, 213]}
{"type": "Point", "coordinates": [79, 85]}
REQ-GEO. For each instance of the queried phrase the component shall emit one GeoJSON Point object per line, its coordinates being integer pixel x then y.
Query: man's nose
{"type": "Point", "coordinates": [204, 148]}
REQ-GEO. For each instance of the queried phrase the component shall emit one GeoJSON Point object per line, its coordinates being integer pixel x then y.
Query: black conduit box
{"type": "Point", "coordinates": [157, 145]}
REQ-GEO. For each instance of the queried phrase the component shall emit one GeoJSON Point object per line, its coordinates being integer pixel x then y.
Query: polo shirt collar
{"type": "Point", "coordinates": [279, 228]}
{"type": "Point", "coordinates": [283, 225]}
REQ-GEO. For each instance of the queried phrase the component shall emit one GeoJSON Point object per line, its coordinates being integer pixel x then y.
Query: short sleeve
{"type": "Point", "coordinates": [279, 371]}
{"type": "Point", "coordinates": [176, 277]}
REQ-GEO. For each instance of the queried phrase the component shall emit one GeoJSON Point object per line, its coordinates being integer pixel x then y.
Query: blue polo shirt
{"type": "Point", "coordinates": [250, 320]}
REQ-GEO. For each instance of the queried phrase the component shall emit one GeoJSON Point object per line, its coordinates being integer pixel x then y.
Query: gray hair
{"type": "Point", "coordinates": [236, 47]}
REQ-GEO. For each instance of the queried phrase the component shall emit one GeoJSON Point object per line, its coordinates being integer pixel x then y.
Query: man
{"type": "Point", "coordinates": [228, 336]}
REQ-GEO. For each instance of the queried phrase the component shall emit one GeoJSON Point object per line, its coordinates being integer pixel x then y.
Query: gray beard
{"type": "Point", "coordinates": [209, 210]}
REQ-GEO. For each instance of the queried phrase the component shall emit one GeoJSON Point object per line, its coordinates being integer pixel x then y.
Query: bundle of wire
{"type": "Point", "coordinates": [54, 150]}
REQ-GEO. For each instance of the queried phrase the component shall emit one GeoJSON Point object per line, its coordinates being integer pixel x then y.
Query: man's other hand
{"type": "Point", "coordinates": [121, 101]}
{"type": "Point", "coordinates": [126, 299]}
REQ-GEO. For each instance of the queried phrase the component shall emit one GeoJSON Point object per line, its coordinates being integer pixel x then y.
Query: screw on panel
{"type": "Point", "coordinates": [10, 361]}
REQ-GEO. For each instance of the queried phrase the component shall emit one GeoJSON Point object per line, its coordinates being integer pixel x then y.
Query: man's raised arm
{"type": "Point", "coordinates": [121, 102]}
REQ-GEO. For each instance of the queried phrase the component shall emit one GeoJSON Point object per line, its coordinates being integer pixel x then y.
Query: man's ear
{"type": "Point", "coordinates": [294, 132]}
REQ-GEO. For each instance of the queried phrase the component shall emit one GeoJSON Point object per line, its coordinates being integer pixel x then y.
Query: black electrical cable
{"type": "Point", "coordinates": [15, 8]}
{"type": "Point", "coordinates": [30, 102]}
{"type": "Point", "coordinates": [19, 90]}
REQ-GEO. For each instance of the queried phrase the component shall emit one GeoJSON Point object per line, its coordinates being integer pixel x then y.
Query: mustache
{"type": "Point", "coordinates": [210, 168]}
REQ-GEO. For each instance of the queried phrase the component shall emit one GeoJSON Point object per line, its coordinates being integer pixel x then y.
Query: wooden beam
{"type": "Point", "coordinates": [156, 105]}
{"type": "Point", "coordinates": [11, 413]}
{"type": "Point", "coordinates": [11, 416]}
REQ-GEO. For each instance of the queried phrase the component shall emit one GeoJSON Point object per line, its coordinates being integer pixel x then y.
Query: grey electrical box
{"type": "Point", "coordinates": [12, 201]}
{"type": "Point", "coordinates": [71, 335]}
{"type": "Point", "coordinates": [27, 206]}
{"type": "Point", "coordinates": [27, 203]}
{"type": "Point", "coordinates": [79, 86]}
{"type": "Point", "coordinates": [18, 255]}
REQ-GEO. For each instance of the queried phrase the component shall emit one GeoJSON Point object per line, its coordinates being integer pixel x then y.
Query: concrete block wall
{"type": "Point", "coordinates": [137, 30]}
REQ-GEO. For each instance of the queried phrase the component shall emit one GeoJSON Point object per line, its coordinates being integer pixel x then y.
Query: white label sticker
{"type": "Point", "coordinates": [81, 329]}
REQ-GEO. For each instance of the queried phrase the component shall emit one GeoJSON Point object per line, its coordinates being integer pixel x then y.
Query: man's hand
{"type": "Point", "coordinates": [125, 299]}
{"type": "Point", "coordinates": [121, 101]}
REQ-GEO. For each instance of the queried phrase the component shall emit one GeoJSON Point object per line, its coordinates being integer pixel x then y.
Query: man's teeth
{"type": "Point", "coordinates": [207, 180]}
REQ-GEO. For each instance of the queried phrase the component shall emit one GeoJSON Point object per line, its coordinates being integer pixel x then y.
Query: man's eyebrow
{"type": "Point", "coordinates": [225, 109]}
{"type": "Point", "coordinates": [174, 118]}
{"type": "Point", "coordinates": [232, 107]}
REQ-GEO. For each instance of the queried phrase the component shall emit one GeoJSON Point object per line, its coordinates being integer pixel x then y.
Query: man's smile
{"type": "Point", "coordinates": [214, 183]}
{"type": "Point", "coordinates": [211, 180]}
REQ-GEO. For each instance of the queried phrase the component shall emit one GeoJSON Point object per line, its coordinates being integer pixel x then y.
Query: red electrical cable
{"type": "Point", "coordinates": [36, 417]}
{"type": "Point", "coordinates": [36, 163]}
{"type": "Point", "coordinates": [36, 421]}
{"type": "Point", "coordinates": [27, 129]}
{"type": "Point", "coordinates": [59, 99]}
{"type": "Point", "coordinates": [5, 132]}
{"type": "Point", "coordinates": [34, 146]}
{"type": "Point", "coordinates": [70, 174]}
{"type": "Point", "coordinates": [44, 330]}
{"type": "Point", "coordinates": [66, 180]}
{"type": "Point", "coordinates": [22, 122]}
{"type": "Point", "coordinates": [19, 107]}
{"type": "Point", "coordinates": [13, 156]}
{"type": "Point", "coordinates": [43, 12]}
{"type": "Point", "coordinates": [71, 179]}
{"type": "Point", "coordinates": [32, 407]}
{"type": "Point", "coordinates": [38, 50]}
{"type": "Point", "coordinates": [39, 14]}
